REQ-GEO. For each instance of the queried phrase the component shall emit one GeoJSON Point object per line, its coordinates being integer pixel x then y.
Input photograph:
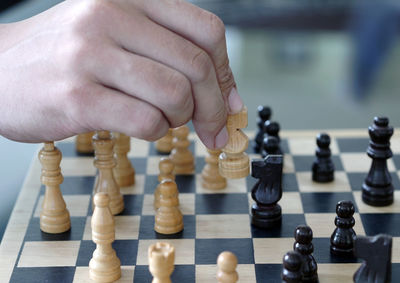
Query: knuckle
{"type": "Point", "coordinates": [151, 125]}
{"type": "Point", "coordinates": [178, 91]}
{"type": "Point", "coordinates": [202, 65]}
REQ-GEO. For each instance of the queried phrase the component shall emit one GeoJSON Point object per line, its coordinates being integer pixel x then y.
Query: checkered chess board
{"type": "Point", "coordinates": [214, 221]}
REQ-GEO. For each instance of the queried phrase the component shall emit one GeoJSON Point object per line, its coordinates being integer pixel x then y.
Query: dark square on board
{"type": "Point", "coordinates": [60, 274]}
{"type": "Point", "coordinates": [146, 229]}
{"type": "Point", "coordinates": [221, 204]}
{"type": "Point", "coordinates": [324, 202]}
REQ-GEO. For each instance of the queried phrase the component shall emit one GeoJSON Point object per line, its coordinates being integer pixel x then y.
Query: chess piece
{"type": "Point", "coordinates": [124, 173]}
{"type": "Point", "coordinates": [166, 167]}
{"type": "Point", "coordinates": [233, 161]}
{"type": "Point", "coordinates": [180, 155]}
{"type": "Point", "coordinates": [168, 218]}
{"type": "Point", "coordinates": [377, 189]}
{"type": "Point", "coordinates": [104, 161]}
{"type": "Point", "coordinates": [164, 145]}
{"type": "Point", "coordinates": [83, 144]}
{"type": "Point", "coordinates": [291, 269]}
{"type": "Point", "coordinates": [342, 239]}
{"type": "Point", "coordinates": [266, 212]}
{"type": "Point", "coordinates": [227, 263]}
{"type": "Point", "coordinates": [264, 114]}
{"type": "Point", "coordinates": [104, 265]}
{"type": "Point", "coordinates": [54, 217]}
{"type": "Point", "coordinates": [323, 168]}
{"type": "Point", "coordinates": [270, 146]}
{"type": "Point", "coordinates": [211, 179]}
{"type": "Point", "coordinates": [272, 129]}
{"type": "Point", "coordinates": [303, 236]}
{"type": "Point", "coordinates": [161, 262]}
{"type": "Point", "coordinates": [377, 254]}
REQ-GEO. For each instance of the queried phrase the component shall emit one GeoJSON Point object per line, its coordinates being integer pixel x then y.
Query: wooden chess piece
{"type": "Point", "coordinates": [180, 155]}
{"type": "Point", "coordinates": [161, 262]}
{"type": "Point", "coordinates": [376, 251]}
{"type": "Point", "coordinates": [211, 179]}
{"type": "Point", "coordinates": [104, 161]}
{"type": "Point", "coordinates": [227, 263]}
{"type": "Point", "coordinates": [233, 161]}
{"type": "Point", "coordinates": [54, 217]}
{"type": "Point", "coordinates": [164, 145]}
{"type": "Point", "coordinates": [104, 265]}
{"type": "Point", "coordinates": [291, 269]}
{"type": "Point", "coordinates": [124, 173]}
{"type": "Point", "coordinates": [303, 245]}
{"type": "Point", "coordinates": [83, 144]}
{"type": "Point", "coordinates": [168, 218]}
{"type": "Point", "coordinates": [343, 237]}
{"type": "Point", "coordinates": [323, 168]}
{"type": "Point", "coordinates": [377, 189]}
{"type": "Point", "coordinates": [166, 168]}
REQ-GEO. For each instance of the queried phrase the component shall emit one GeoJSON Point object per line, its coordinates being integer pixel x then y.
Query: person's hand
{"type": "Point", "coordinates": [137, 67]}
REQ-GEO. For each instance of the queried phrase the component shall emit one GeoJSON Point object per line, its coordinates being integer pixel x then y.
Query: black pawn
{"type": "Point", "coordinates": [272, 129]}
{"type": "Point", "coordinates": [270, 146]}
{"type": "Point", "coordinates": [303, 236]}
{"type": "Point", "coordinates": [264, 114]}
{"type": "Point", "coordinates": [291, 270]}
{"type": "Point", "coordinates": [266, 212]}
{"type": "Point", "coordinates": [323, 168]}
{"type": "Point", "coordinates": [343, 237]}
{"type": "Point", "coordinates": [377, 189]}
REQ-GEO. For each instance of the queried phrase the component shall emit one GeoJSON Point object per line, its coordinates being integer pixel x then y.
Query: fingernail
{"type": "Point", "coordinates": [222, 138]}
{"type": "Point", "coordinates": [235, 102]}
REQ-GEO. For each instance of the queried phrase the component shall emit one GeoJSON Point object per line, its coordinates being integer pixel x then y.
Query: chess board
{"type": "Point", "coordinates": [214, 220]}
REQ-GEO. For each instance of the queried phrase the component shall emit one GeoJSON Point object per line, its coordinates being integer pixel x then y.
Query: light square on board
{"type": "Point", "coordinates": [396, 250]}
{"type": "Point", "coordinates": [339, 184]}
{"type": "Point", "coordinates": [200, 149]}
{"type": "Point", "coordinates": [43, 254]}
{"type": "Point", "coordinates": [233, 186]}
{"type": "Point", "coordinates": [288, 164]}
{"type": "Point", "coordinates": [186, 204]}
{"type": "Point", "coordinates": [360, 162]}
{"type": "Point", "coordinates": [135, 189]}
{"type": "Point", "coordinates": [365, 208]}
{"type": "Point", "coordinates": [184, 250]}
{"type": "Point", "coordinates": [207, 273]}
{"type": "Point", "coordinates": [152, 165]}
{"type": "Point", "coordinates": [139, 148]}
{"type": "Point", "coordinates": [77, 205]}
{"type": "Point", "coordinates": [82, 274]}
{"type": "Point", "coordinates": [126, 227]}
{"type": "Point", "coordinates": [290, 203]}
{"type": "Point", "coordinates": [77, 166]}
{"type": "Point", "coordinates": [323, 224]}
{"type": "Point", "coordinates": [395, 144]}
{"type": "Point", "coordinates": [338, 272]}
{"type": "Point", "coordinates": [307, 146]}
{"type": "Point", "coordinates": [220, 226]}
{"type": "Point", "coordinates": [271, 250]}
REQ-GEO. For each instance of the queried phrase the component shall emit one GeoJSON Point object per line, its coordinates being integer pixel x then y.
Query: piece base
{"type": "Point", "coordinates": [266, 217]}
{"type": "Point", "coordinates": [381, 196]}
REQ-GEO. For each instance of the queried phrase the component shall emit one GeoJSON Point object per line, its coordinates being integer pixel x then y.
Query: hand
{"type": "Point", "coordinates": [137, 67]}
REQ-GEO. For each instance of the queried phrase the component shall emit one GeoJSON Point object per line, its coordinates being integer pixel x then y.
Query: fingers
{"type": "Point", "coordinates": [205, 30]}
{"type": "Point", "coordinates": [170, 49]}
{"type": "Point", "coordinates": [100, 108]}
{"type": "Point", "coordinates": [164, 88]}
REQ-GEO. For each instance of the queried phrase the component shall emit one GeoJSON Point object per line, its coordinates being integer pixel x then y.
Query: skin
{"type": "Point", "coordinates": [133, 66]}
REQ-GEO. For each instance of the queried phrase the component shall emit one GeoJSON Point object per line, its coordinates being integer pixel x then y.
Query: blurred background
{"type": "Point", "coordinates": [319, 64]}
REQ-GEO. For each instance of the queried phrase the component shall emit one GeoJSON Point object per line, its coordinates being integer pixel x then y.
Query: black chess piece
{"type": "Point", "coordinates": [270, 146]}
{"type": "Point", "coordinates": [377, 255]}
{"type": "Point", "coordinates": [323, 168]}
{"type": "Point", "coordinates": [291, 269]}
{"type": "Point", "coordinates": [303, 236]}
{"type": "Point", "coordinates": [272, 129]}
{"type": "Point", "coordinates": [266, 212]}
{"type": "Point", "coordinates": [264, 114]}
{"type": "Point", "coordinates": [343, 237]}
{"type": "Point", "coordinates": [377, 189]}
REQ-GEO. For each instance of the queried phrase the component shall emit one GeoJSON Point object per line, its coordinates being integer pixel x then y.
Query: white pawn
{"type": "Point", "coordinates": [227, 263]}
{"type": "Point", "coordinates": [161, 262]}
{"type": "Point", "coordinates": [166, 168]}
{"type": "Point", "coordinates": [164, 145]}
{"type": "Point", "coordinates": [168, 218]}
{"type": "Point", "coordinates": [104, 265]}
{"type": "Point", "coordinates": [181, 156]}
{"type": "Point", "coordinates": [124, 173]}
{"type": "Point", "coordinates": [211, 178]}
